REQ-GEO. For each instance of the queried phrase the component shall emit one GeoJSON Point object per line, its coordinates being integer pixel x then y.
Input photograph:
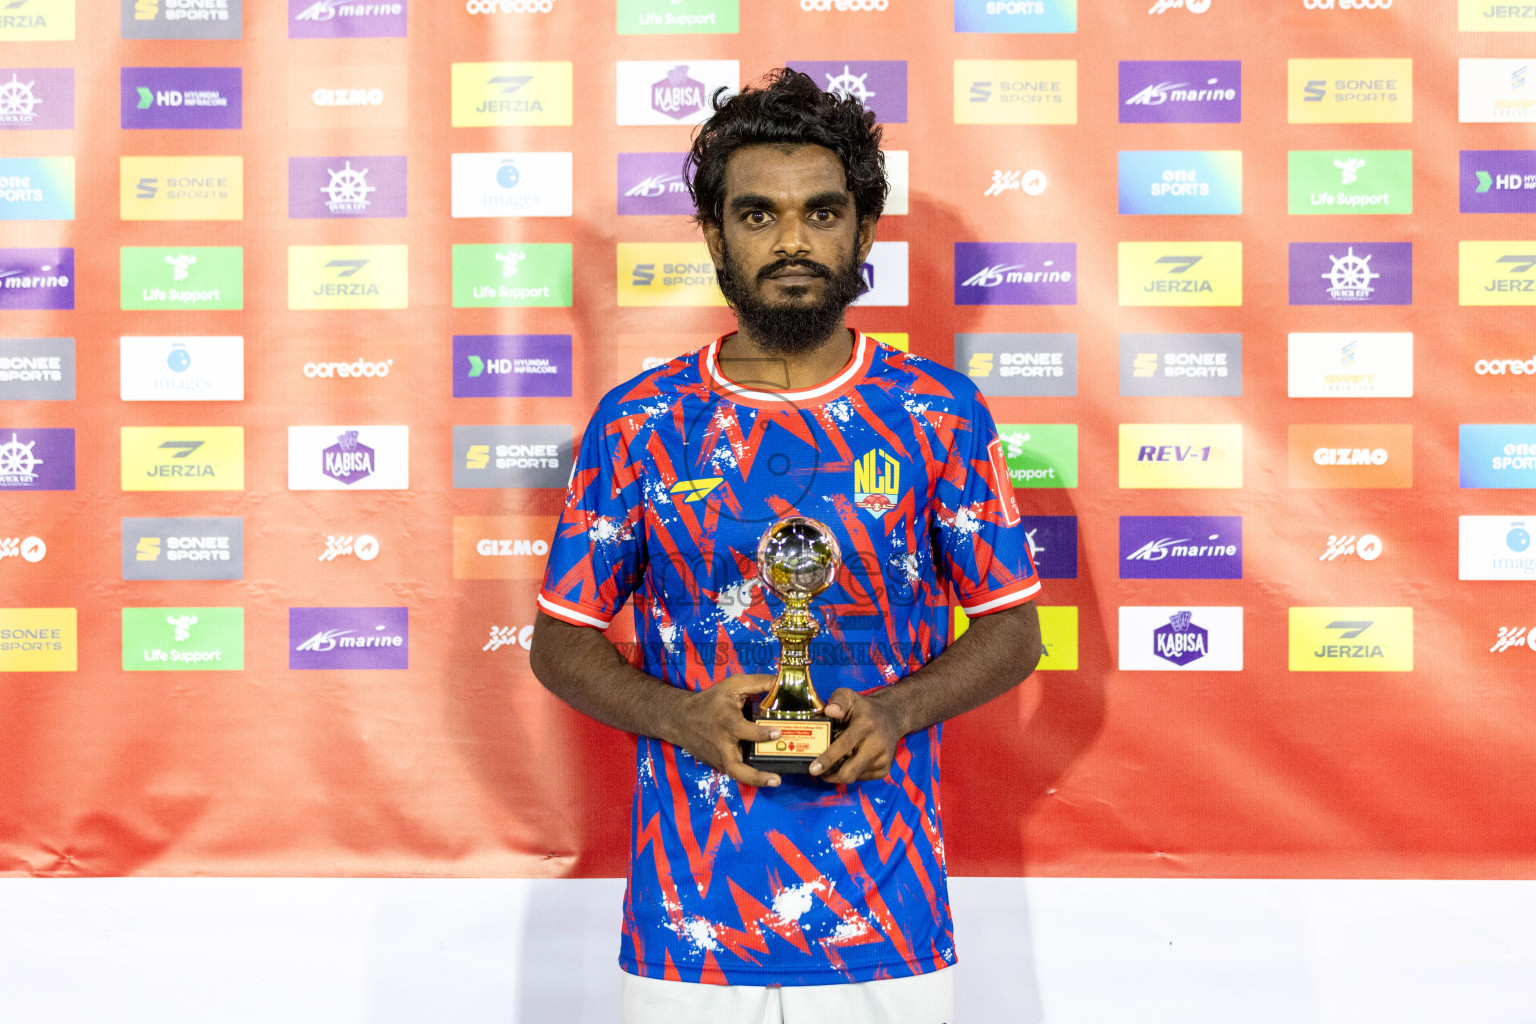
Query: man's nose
{"type": "Point", "coordinates": [792, 239]}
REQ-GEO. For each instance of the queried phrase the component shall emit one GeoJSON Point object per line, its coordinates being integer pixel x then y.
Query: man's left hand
{"type": "Point", "coordinates": [867, 745]}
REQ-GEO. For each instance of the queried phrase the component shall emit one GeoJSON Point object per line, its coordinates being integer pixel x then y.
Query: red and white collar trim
{"type": "Point", "coordinates": [852, 372]}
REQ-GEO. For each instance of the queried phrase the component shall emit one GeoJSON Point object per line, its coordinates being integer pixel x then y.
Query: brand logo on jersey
{"type": "Point", "coordinates": [333, 19]}
{"type": "Point", "coordinates": [1355, 365]}
{"type": "Point", "coordinates": [1019, 364]}
{"type": "Point", "coordinates": [32, 549]}
{"type": "Point", "coordinates": [1015, 92]}
{"type": "Point", "coordinates": [371, 458]}
{"type": "Point", "coordinates": [512, 456]}
{"type": "Point", "coordinates": [37, 98]}
{"type": "Point", "coordinates": [182, 369]}
{"type": "Point", "coordinates": [183, 458]}
{"type": "Point", "coordinates": [1181, 273]}
{"type": "Point", "coordinates": [37, 279]}
{"type": "Point", "coordinates": [1181, 547]}
{"type": "Point", "coordinates": [348, 638]}
{"type": "Point", "coordinates": [1487, 16]}
{"type": "Point", "coordinates": [1034, 16]}
{"type": "Point", "coordinates": [1351, 273]}
{"type": "Point", "coordinates": [322, 187]}
{"type": "Point", "coordinates": [188, 277]}
{"type": "Point", "coordinates": [181, 188]}
{"type": "Point", "coordinates": [1351, 639]}
{"type": "Point", "coordinates": [1497, 273]}
{"type": "Point", "coordinates": [652, 183]}
{"type": "Point", "coordinates": [1181, 91]}
{"type": "Point", "coordinates": [1015, 273]}
{"type": "Point", "coordinates": [522, 274]}
{"type": "Point", "coordinates": [696, 490]}
{"type": "Point", "coordinates": [1154, 639]}
{"type": "Point", "coordinates": [512, 366]}
{"type": "Point", "coordinates": [364, 547]}
{"type": "Point", "coordinates": [1181, 182]}
{"type": "Point", "coordinates": [881, 85]}
{"type": "Point", "coordinates": [1162, 455]}
{"type": "Point", "coordinates": [667, 274]}
{"type": "Point", "coordinates": [876, 482]}
{"type": "Point", "coordinates": [1498, 455]}
{"type": "Point", "coordinates": [37, 369]}
{"type": "Point", "coordinates": [38, 640]}
{"type": "Point", "coordinates": [1350, 90]}
{"type": "Point", "coordinates": [170, 98]}
{"type": "Point", "coordinates": [1351, 455]}
{"type": "Point", "coordinates": [1040, 454]}
{"type": "Point", "coordinates": [37, 459]}
{"type": "Point", "coordinates": [512, 184]}
{"type": "Point", "coordinates": [670, 92]}
{"type": "Point", "coordinates": [501, 547]}
{"type": "Point", "coordinates": [521, 93]}
{"type": "Point", "coordinates": [1167, 365]}
{"type": "Point", "coordinates": [1350, 181]}
{"type": "Point", "coordinates": [183, 549]}
{"type": "Point", "coordinates": [348, 277]}
{"type": "Point", "coordinates": [37, 188]}
{"type": "Point", "coordinates": [1366, 547]}
{"type": "Point", "coordinates": [24, 20]}
{"type": "Point", "coordinates": [181, 19]}
{"type": "Point", "coordinates": [183, 639]}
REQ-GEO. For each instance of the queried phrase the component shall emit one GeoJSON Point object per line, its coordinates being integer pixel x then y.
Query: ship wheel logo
{"type": "Point", "coordinates": [16, 100]}
{"type": "Point", "coordinates": [348, 190]}
{"type": "Point", "coordinates": [1350, 277]}
{"type": "Point", "coordinates": [17, 461]}
{"type": "Point", "coordinates": [849, 85]}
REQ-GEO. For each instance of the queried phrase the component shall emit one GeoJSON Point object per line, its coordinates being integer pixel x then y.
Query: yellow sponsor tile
{"type": "Point", "coordinates": [1183, 455]}
{"type": "Point", "coordinates": [667, 274]}
{"type": "Point", "coordinates": [1015, 92]}
{"type": "Point", "coordinates": [183, 458]}
{"type": "Point", "coordinates": [39, 640]}
{"type": "Point", "coordinates": [1495, 16]}
{"type": "Point", "coordinates": [1351, 639]}
{"type": "Point", "coordinates": [38, 20]}
{"type": "Point", "coordinates": [1058, 634]}
{"type": "Point", "coordinates": [181, 187]}
{"type": "Point", "coordinates": [1497, 274]}
{"type": "Point", "coordinates": [1349, 90]}
{"type": "Point", "coordinates": [1181, 273]}
{"type": "Point", "coordinates": [898, 340]}
{"type": "Point", "coordinates": [535, 92]}
{"type": "Point", "coordinates": [348, 277]}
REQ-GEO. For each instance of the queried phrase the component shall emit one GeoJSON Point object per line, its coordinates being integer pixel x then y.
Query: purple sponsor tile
{"type": "Point", "coordinates": [511, 366]}
{"type": "Point", "coordinates": [346, 19]}
{"type": "Point", "coordinates": [1181, 547]}
{"type": "Point", "coordinates": [652, 183]}
{"type": "Point", "coordinates": [37, 98]}
{"type": "Point", "coordinates": [37, 279]}
{"type": "Point", "coordinates": [1351, 273]}
{"type": "Point", "coordinates": [1015, 273]}
{"type": "Point", "coordinates": [1053, 545]}
{"type": "Point", "coordinates": [349, 187]}
{"type": "Point", "coordinates": [1181, 91]}
{"type": "Point", "coordinates": [37, 459]}
{"type": "Point", "coordinates": [323, 638]}
{"type": "Point", "coordinates": [1498, 181]}
{"type": "Point", "coordinates": [881, 85]}
{"type": "Point", "coordinates": [181, 98]}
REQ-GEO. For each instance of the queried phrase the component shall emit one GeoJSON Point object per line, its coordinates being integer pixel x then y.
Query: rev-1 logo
{"type": "Point", "coordinates": [509, 636]}
{"type": "Point", "coordinates": [1173, 453]}
{"type": "Point", "coordinates": [1349, 630]}
{"type": "Point", "coordinates": [364, 546]}
{"type": "Point", "coordinates": [31, 548]}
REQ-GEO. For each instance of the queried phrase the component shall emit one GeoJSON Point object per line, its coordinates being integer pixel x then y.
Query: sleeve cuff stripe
{"type": "Point", "coordinates": [570, 613]}
{"type": "Point", "coordinates": [1003, 601]}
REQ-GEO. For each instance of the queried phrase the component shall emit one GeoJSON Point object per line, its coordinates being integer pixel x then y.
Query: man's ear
{"type": "Point", "coordinates": [866, 236]}
{"type": "Point", "coordinates": [714, 238]}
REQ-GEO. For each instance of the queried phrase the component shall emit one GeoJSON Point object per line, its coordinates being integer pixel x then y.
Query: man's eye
{"type": "Point", "coordinates": [823, 215]}
{"type": "Point", "coordinates": [756, 217]}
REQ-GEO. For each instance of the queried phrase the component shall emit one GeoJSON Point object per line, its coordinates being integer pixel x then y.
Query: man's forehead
{"type": "Point", "coordinates": [784, 169]}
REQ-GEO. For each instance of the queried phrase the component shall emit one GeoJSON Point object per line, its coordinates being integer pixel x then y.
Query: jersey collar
{"type": "Point", "coordinates": [844, 381]}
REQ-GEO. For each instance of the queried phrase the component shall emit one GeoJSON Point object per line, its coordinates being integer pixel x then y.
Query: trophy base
{"type": "Point", "coordinates": [800, 742]}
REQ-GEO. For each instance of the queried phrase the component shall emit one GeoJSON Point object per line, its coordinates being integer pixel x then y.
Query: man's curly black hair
{"type": "Point", "coordinates": [791, 109]}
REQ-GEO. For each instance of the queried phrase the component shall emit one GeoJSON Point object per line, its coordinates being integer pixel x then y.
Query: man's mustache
{"type": "Point", "coordinates": [807, 266]}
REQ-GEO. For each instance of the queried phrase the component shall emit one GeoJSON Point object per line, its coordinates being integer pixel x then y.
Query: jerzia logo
{"type": "Point", "coordinates": [183, 458]}
{"type": "Point", "coordinates": [347, 277]}
{"type": "Point", "coordinates": [1351, 639]}
{"type": "Point", "coordinates": [1181, 273]}
{"type": "Point", "coordinates": [524, 93]}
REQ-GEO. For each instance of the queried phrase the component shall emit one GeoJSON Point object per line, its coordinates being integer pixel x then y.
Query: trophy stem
{"type": "Point", "coordinates": [793, 696]}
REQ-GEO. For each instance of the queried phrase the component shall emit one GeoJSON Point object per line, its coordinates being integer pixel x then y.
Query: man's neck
{"type": "Point", "coordinates": [744, 361]}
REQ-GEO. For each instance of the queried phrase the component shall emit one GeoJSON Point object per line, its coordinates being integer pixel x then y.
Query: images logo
{"type": "Point", "coordinates": [181, 188]}
{"type": "Point", "coordinates": [1497, 273]}
{"type": "Point", "coordinates": [1351, 181]}
{"type": "Point", "coordinates": [1495, 548]}
{"type": "Point", "coordinates": [1486, 16]}
{"type": "Point", "coordinates": [37, 98]}
{"type": "Point", "coordinates": [672, 92]}
{"type": "Point", "coordinates": [1163, 455]}
{"type": "Point", "coordinates": [1181, 91]}
{"type": "Point", "coordinates": [652, 183]}
{"type": "Point", "coordinates": [1498, 455]}
{"type": "Point", "coordinates": [1052, 546]}
{"type": "Point", "coordinates": [1494, 90]}
{"type": "Point", "coordinates": [37, 369]}
{"type": "Point", "coordinates": [1036, 365]}
{"type": "Point", "coordinates": [348, 638]}
{"type": "Point", "coordinates": [190, 277]}
{"type": "Point", "coordinates": [501, 547]}
{"type": "Point", "coordinates": [1040, 454]}
{"type": "Point", "coordinates": [336, 19]}
{"type": "Point", "coordinates": [1175, 365]}
{"type": "Point", "coordinates": [667, 274]}
{"type": "Point", "coordinates": [516, 274]}
{"type": "Point", "coordinates": [183, 639]}
{"type": "Point", "coordinates": [371, 458]}
{"type": "Point", "coordinates": [37, 459]}
{"type": "Point", "coordinates": [1351, 273]}
{"type": "Point", "coordinates": [881, 85]}
{"type": "Point", "coordinates": [1015, 273]}
{"type": "Point", "coordinates": [512, 184]}
{"type": "Point", "coordinates": [512, 456]}
{"type": "Point", "coordinates": [1181, 547]}
{"type": "Point", "coordinates": [184, 549]}
{"type": "Point", "coordinates": [525, 93]}
{"type": "Point", "coordinates": [1351, 365]}
{"type": "Point", "coordinates": [348, 277]}
{"type": "Point", "coordinates": [1182, 182]}
{"type": "Point", "coordinates": [1181, 273]}
{"type": "Point", "coordinates": [206, 98]}
{"type": "Point", "coordinates": [1366, 547]}
{"type": "Point", "coordinates": [1164, 639]}
{"type": "Point", "coordinates": [182, 369]}
{"type": "Point", "coordinates": [1350, 90]}
{"type": "Point", "coordinates": [647, 17]}
{"type": "Point", "coordinates": [33, 20]}
{"type": "Point", "coordinates": [1015, 91]}
{"type": "Point", "coordinates": [512, 366]}
{"type": "Point", "coordinates": [38, 640]}
{"type": "Point", "coordinates": [1036, 16]}
{"type": "Point", "coordinates": [1351, 455]}
{"type": "Point", "coordinates": [37, 279]}
{"type": "Point", "coordinates": [183, 458]}
{"type": "Point", "coordinates": [1351, 639]}
{"type": "Point", "coordinates": [181, 19]}
{"type": "Point", "coordinates": [37, 188]}
{"type": "Point", "coordinates": [327, 187]}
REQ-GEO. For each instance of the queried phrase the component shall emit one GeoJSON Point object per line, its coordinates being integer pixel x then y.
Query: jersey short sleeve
{"type": "Point", "coordinates": [597, 557]}
{"type": "Point", "coordinates": [980, 535]}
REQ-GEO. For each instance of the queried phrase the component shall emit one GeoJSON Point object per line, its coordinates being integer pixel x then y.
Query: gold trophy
{"type": "Point", "coordinates": [796, 559]}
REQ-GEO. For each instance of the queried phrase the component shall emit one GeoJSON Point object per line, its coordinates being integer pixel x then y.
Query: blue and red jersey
{"type": "Point", "coordinates": [681, 471]}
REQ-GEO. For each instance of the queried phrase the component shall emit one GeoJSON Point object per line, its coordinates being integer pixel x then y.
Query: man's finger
{"type": "Point", "coordinates": [752, 732]}
{"type": "Point", "coordinates": [745, 773]}
{"type": "Point", "coordinates": [841, 702]}
{"type": "Point", "coordinates": [835, 752]}
{"type": "Point", "coordinates": [853, 766]}
{"type": "Point", "coordinates": [754, 682]}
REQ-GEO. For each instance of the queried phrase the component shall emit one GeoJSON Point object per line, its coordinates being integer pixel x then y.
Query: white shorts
{"type": "Point", "coordinates": [921, 999]}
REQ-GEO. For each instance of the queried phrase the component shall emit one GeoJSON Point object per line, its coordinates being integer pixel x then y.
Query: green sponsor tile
{"type": "Point", "coordinates": [210, 278]}
{"type": "Point", "coordinates": [677, 17]}
{"type": "Point", "coordinates": [1040, 454]}
{"type": "Point", "coordinates": [517, 274]}
{"type": "Point", "coordinates": [183, 639]}
{"type": "Point", "coordinates": [1350, 181]}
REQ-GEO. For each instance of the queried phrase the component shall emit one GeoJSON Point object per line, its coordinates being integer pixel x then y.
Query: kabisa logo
{"type": "Point", "coordinates": [1015, 273]}
{"type": "Point", "coordinates": [521, 93]}
{"type": "Point", "coordinates": [501, 547]}
{"type": "Point", "coordinates": [1181, 182]}
{"type": "Point", "coordinates": [1495, 548]}
{"type": "Point", "coordinates": [512, 366]}
{"type": "Point", "coordinates": [37, 20]}
{"type": "Point", "coordinates": [509, 636]}
{"type": "Point", "coordinates": [1497, 181]}
{"type": "Point", "coordinates": [190, 277]}
{"type": "Point", "coordinates": [512, 184]}
{"type": "Point", "coordinates": [1181, 547]}
{"type": "Point", "coordinates": [1498, 455]}
{"type": "Point", "coordinates": [357, 368]}
{"type": "Point", "coordinates": [347, 460]}
{"type": "Point", "coordinates": [346, 187]}
{"type": "Point", "coordinates": [1033, 16]}
{"type": "Point", "coordinates": [509, 6]}
{"type": "Point", "coordinates": [37, 188]}
{"type": "Point", "coordinates": [528, 274]}
{"type": "Point", "coordinates": [183, 549]}
{"type": "Point", "coordinates": [1181, 273]}
{"type": "Point", "coordinates": [183, 458]}
{"type": "Point", "coordinates": [1377, 455]}
{"type": "Point", "coordinates": [181, 98]}
{"type": "Point", "coordinates": [37, 279]}
{"type": "Point", "coordinates": [181, 19]}
{"type": "Point", "coordinates": [364, 547]}
{"type": "Point", "coordinates": [1180, 641]}
{"type": "Point", "coordinates": [877, 482]}
{"type": "Point", "coordinates": [880, 85]}
{"type": "Point", "coordinates": [1019, 364]}
{"type": "Point", "coordinates": [332, 19]}
{"type": "Point", "coordinates": [1174, 455]}
{"type": "Point", "coordinates": [1168, 365]}
{"type": "Point", "coordinates": [183, 639]}
{"type": "Point", "coordinates": [1040, 454]}
{"type": "Point", "coordinates": [32, 549]}
{"type": "Point", "coordinates": [1497, 273]}
{"type": "Point", "coordinates": [1015, 92]}
{"type": "Point", "coordinates": [348, 638]}
{"type": "Point", "coordinates": [1486, 16]}
{"type": "Point", "coordinates": [652, 183]}
{"type": "Point", "coordinates": [343, 458]}
{"type": "Point", "coordinates": [1191, 639]}
{"type": "Point", "coordinates": [1192, 6]}
{"type": "Point", "coordinates": [37, 98]}
{"type": "Point", "coordinates": [1181, 91]}
{"type": "Point", "coordinates": [512, 456]}
{"type": "Point", "coordinates": [677, 96]}
{"type": "Point", "coordinates": [182, 369]}
{"type": "Point", "coordinates": [1366, 547]}
{"type": "Point", "coordinates": [1514, 638]}
{"type": "Point", "coordinates": [1350, 90]}
{"type": "Point", "coordinates": [1351, 273]}
{"type": "Point", "coordinates": [37, 369]}
{"type": "Point", "coordinates": [1351, 639]}
{"type": "Point", "coordinates": [1031, 183]}
{"type": "Point", "coordinates": [37, 460]}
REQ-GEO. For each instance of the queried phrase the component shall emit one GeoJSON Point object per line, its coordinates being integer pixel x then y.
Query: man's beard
{"type": "Point", "coordinates": [792, 327]}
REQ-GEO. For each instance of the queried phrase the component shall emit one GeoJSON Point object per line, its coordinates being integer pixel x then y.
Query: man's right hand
{"type": "Point", "coordinates": [711, 727]}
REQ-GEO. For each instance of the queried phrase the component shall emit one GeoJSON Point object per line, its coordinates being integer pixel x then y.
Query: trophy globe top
{"type": "Point", "coordinates": [798, 558]}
